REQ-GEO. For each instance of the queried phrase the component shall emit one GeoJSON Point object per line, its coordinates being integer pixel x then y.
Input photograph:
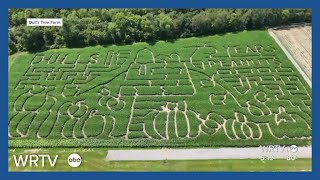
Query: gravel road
{"type": "Point", "coordinates": [198, 154]}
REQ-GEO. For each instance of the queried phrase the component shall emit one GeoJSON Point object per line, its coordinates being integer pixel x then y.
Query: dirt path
{"type": "Point", "coordinates": [296, 42]}
{"type": "Point", "coordinates": [198, 154]}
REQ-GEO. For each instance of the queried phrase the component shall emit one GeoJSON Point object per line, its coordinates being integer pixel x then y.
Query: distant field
{"type": "Point", "coordinates": [93, 159]}
{"type": "Point", "coordinates": [298, 41]}
{"type": "Point", "coordinates": [231, 90]}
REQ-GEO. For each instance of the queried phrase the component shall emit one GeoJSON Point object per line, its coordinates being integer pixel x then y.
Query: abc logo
{"type": "Point", "coordinates": [74, 160]}
{"type": "Point", "coordinates": [293, 148]}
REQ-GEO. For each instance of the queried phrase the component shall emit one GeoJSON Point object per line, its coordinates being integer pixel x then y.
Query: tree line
{"type": "Point", "coordinates": [89, 27]}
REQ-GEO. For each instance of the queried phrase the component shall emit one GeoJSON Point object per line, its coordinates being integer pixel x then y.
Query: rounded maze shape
{"type": "Point", "coordinates": [261, 96]}
{"type": "Point", "coordinates": [93, 126]}
{"type": "Point", "coordinates": [115, 104]}
{"type": "Point", "coordinates": [34, 102]}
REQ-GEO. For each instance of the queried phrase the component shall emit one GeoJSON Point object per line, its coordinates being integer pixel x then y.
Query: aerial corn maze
{"type": "Point", "coordinates": [229, 90]}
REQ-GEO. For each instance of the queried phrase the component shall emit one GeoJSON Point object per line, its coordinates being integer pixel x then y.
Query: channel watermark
{"type": "Point", "coordinates": [74, 160]}
{"type": "Point", "coordinates": [271, 151]}
{"type": "Point", "coordinates": [44, 22]}
{"type": "Point", "coordinates": [44, 160]}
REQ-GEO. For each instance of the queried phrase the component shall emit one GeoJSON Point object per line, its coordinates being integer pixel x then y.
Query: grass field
{"type": "Point", "coordinates": [229, 90]}
{"type": "Point", "coordinates": [93, 159]}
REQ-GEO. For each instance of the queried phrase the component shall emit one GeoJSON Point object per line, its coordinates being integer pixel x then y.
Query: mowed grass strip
{"type": "Point", "coordinates": [94, 159]}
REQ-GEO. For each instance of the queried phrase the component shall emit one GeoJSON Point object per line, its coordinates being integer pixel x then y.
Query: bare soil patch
{"type": "Point", "coordinates": [298, 41]}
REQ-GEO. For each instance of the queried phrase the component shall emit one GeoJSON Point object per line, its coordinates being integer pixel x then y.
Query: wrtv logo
{"type": "Point", "coordinates": [33, 160]}
{"type": "Point", "coordinates": [279, 148]}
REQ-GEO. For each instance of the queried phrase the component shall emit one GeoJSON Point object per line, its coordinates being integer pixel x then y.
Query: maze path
{"type": "Point", "coordinates": [236, 92]}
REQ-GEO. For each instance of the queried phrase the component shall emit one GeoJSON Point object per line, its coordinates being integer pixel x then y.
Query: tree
{"type": "Point", "coordinates": [200, 24]}
{"type": "Point", "coordinates": [89, 27]}
{"type": "Point", "coordinates": [33, 40]}
{"type": "Point", "coordinates": [147, 30]}
{"type": "Point", "coordinates": [163, 26]}
{"type": "Point", "coordinates": [72, 32]}
{"type": "Point", "coordinates": [285, 14]}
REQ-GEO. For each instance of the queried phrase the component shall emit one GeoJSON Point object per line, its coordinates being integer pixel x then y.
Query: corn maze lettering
{"type": "Point", "coordinates": [236, 93]}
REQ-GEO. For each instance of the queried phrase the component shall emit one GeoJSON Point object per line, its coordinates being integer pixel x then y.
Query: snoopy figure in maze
{"type": "Point", "coordinates": [158, 84]}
